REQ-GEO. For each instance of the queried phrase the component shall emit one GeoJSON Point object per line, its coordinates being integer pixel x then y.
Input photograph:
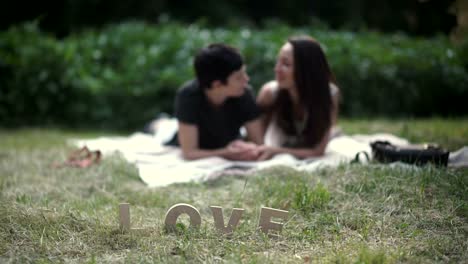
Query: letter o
{"type": "Point", "coordinates": [176, 210]}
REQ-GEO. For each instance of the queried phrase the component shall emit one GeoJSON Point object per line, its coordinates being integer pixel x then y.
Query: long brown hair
{"type": "Point", "coordinates": [312, 76]}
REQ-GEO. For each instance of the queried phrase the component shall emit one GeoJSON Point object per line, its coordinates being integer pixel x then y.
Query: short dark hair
{"type": "Point", "coordinates": [216, 62]}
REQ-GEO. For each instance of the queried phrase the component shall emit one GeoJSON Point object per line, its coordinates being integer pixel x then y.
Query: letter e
{"type": "Point", "coordinates": [265, 222]}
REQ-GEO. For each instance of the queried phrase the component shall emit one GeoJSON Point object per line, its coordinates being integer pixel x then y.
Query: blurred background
{"type": "Point", "coordinates": [117, 64]}
{"type": "Point", "coordinates": [416, 17]}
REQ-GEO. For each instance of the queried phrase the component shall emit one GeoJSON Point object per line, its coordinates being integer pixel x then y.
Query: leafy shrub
{"type": "Point", "coordinates": [125, 74]}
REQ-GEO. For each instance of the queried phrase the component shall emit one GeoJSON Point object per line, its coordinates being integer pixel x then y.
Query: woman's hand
{"type": "Point", "coordinates": [266, 152]}
{"type": "Point", "coordinates": [241, 150]}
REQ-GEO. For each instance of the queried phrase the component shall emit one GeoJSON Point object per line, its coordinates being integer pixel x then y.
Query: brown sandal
{"type": "Point", "coordinates": [81, 158]}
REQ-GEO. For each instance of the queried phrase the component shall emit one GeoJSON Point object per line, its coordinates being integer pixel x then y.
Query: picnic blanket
{"type": "Point", "coordinates": [160, 165]}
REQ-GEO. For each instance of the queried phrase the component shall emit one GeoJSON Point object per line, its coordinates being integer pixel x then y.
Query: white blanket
{"type": "Point", "coordinates": [160, 165]}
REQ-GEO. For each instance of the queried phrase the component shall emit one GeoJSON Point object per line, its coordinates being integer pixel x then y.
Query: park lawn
{"type": "Point", "coordinates": [354, 213]}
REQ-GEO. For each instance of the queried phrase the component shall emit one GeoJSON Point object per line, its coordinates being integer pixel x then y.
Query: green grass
{"type": "Point", "coordinates": [449, 133]}
{"type": "Point", "coordinates": [351, 214]}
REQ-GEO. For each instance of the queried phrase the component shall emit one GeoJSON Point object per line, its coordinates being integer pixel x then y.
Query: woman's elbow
{"type": "Point", "coordinates": [319, 150]}
{"type": "Point", "coordinates": [188, 155]}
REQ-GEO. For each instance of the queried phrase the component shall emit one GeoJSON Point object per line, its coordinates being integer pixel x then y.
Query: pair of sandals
{"type": "Point", "coordinates": [81, 158]}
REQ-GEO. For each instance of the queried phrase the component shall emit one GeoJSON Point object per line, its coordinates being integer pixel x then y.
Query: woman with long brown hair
{"type": "Point", "coordinates": [301, 105]}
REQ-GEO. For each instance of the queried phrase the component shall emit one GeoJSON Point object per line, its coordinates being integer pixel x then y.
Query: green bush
{"type": "Point", "coordinates": [123, 75]}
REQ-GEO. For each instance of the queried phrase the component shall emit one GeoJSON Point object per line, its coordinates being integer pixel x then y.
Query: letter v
{"type": "Point", "coordinates": [219, 219]}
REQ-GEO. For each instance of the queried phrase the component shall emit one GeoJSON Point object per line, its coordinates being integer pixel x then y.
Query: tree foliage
{"type": "Point", "coordinates": [125, 74]}
{"type": "Point", "coordinates": [421, 17]}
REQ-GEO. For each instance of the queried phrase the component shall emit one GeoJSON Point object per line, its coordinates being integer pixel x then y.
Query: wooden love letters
{"type": "Point", "coordinates": [265, 222]}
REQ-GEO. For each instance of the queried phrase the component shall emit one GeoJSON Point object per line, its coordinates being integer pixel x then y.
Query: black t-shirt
{"type": "Point", "coordinates": [217, 125]}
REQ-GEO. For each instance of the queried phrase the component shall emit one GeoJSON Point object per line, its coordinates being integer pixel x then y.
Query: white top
{"type": "Point", "coordinates": [276, 137]}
